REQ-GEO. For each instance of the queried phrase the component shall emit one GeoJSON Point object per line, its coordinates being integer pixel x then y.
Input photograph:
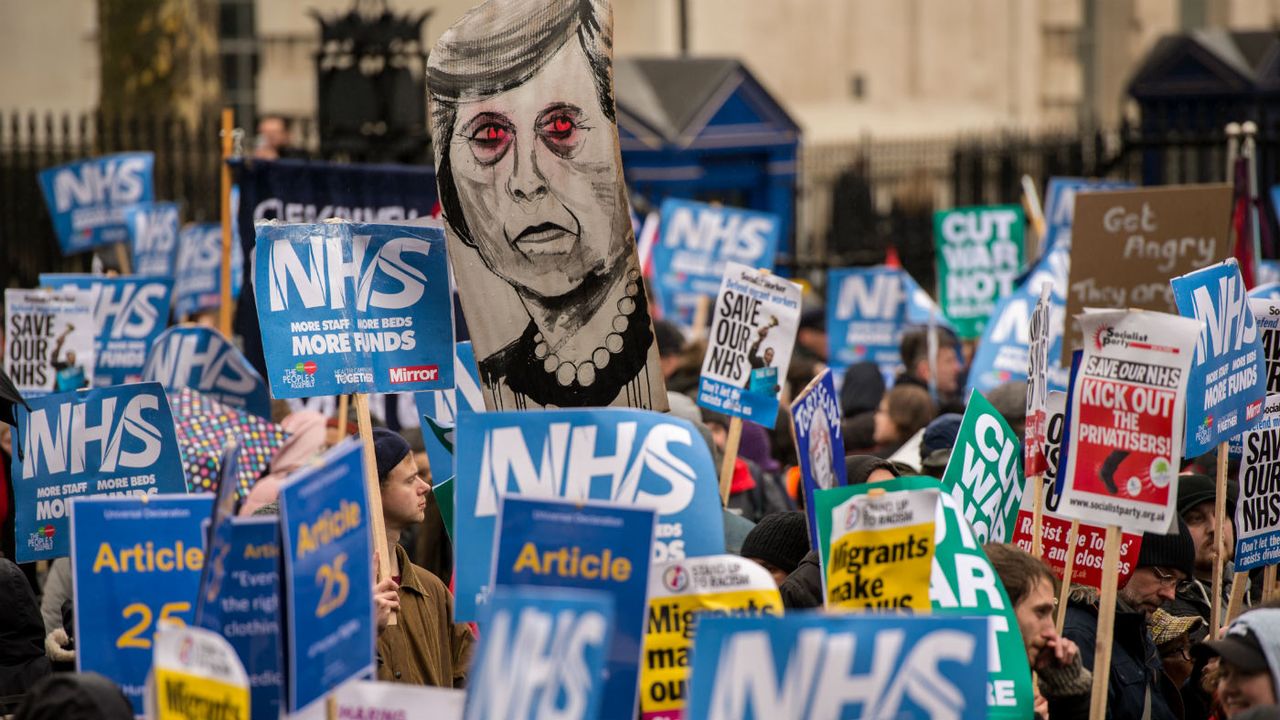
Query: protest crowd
{"type": "Point", "coordinates": [541, 457]}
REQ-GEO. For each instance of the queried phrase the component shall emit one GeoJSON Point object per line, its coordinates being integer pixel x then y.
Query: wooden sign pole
{"type": "Point", "coordinates": [1220, 550]}
{"type": "Point", "coordinates": [376, 524]}
{"type": "Point", "coordinates": [1035, 484]}
{"type": "Point", "coordinates": [122, 258]}
{"type": "Point", "coordinates": [1073, 537]}
{"type": "Point", "coordinates": [1268, 582]}
{"type": "Point", "coordinates": [730, 458]}
{"type": "Point", "coordinates": [701, 315]}
{"type": "Point", "coordinates": [1238, 581]}
{"type": "Point", "coordinates": [1106, 624]}
{"type": "Point", "coordinates": [344, 403]}
{"type": "Point", "coordinates": [224, 309]}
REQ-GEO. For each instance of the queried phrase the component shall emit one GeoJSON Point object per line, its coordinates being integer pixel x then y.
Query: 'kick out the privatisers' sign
{"type": "Point", "coordinates": [629, 457]}
{"type": "Point", "coordinates": [1056, 529]}
{"type": "Point", "coordinates": [130, 314]}
{"type": "Point", "coordinates": [837, 666]}
{"type": "Point", "coordinates": [984, 474]}
{"type": "Point", "coordinates": [587, 546]}
{"type": "Point", "coordinates": [108, 441]}
{"type": "Point", "coordinates": [1126, 413]}
{"type": "Point", "coordinates": [753, 330]}
{"type": "Point", "coordinates": [1126, 244]}
{"type": "Point", "coordinates": [697, 243]}
{"type": "Point", "coordinates": [1257, 518]}
{"type": "Point", "coordinates": [328, 564]}
{"type": "Point", "coordinates": [153, 237]}
{"type": "Point", "coordinates": [86, 198]}
{"type": "Point", "coordinates": [542, 654]}
{"type": "Point", "coordinates": [49, 340]}
{"type": "Point", "coordinates": [815, 424]}
{"type": "Point", "coordinates": [135, 562]}
{"type": "Point", "coordinates": [978, 251]}
{"type": "Point", "coordinates": [350, 307]}
{"type": "Point", "coordinates": [876, 548]}
{"type": "Point", "coordinates": [681, 593]}
{"type": "Point", "coordinates": [201, 358]}
{"type": "Point", "coordinates": [1228, 365]}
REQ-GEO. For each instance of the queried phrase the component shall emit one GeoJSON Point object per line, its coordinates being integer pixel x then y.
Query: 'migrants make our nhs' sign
{"type": "Point", "coordinates": [629, 457]}
{"type": "Point", "coordinates": [349, 307]}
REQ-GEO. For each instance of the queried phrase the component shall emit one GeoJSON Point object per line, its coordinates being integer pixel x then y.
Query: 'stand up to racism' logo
{"type": "Point", "coordinates": [675, 578]}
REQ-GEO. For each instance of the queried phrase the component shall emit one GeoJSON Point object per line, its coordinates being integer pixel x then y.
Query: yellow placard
{"type": "Point", "coordinates": [881, 569]}
{"type": "Point", "coordinates": [182, 696]}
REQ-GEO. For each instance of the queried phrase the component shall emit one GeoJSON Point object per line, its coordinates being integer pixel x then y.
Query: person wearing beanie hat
{"type": "Point", "coordinates": [1248, 673]}
{"type": "Point", "coordinates": [778, 542]}
{"type": "Point", "coordinates": [425, 646]}
{"type": "Point", "coordinates": [1010, 400]}
{"type": "Point", "coordinates": [935, 446]}
{"type": "Point", "coordinates": [1138, 688]}
{"type": "Point", "coordinates": [1196, 506]}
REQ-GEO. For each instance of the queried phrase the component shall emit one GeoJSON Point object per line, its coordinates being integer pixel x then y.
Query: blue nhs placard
{"type": "Point", "coordinates": [153, 237]}
{"type": "Point", "coordinates": [200, 358]}
{"type": "Point", "coordinates": [131, 313]}
{"type": "Point", "coordinates": [542, 654]}
{"type": "Point", "coordinates": [811, 665]}
{"type": "Point", "coordinates": [1229, 363]}
{"type": "Point", "coordinates": [352, 307]}
{"type": "Point", "coordinates": [628, 457]}
{"type": "Point", "coordinates": [86, 198]}
{"type": "Point", "coordinates": [695, 243]}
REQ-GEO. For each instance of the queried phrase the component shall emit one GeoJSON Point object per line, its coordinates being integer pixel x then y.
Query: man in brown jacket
{"type": "Point", "coordinates": [425, 646]}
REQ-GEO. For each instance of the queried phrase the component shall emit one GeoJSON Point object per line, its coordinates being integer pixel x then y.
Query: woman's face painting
{"type": "Point", "coordinates": [536, 175]}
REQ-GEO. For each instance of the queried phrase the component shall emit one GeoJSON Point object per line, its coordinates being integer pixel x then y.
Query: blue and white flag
{"type": "Point", "coordinates": [135, 562]}
{"type": "Point", "coordinates": [240, 600]}
{"type": "Point", "coordinates": [197, 283]}
{"type": "Point", "coordinates": [130, 314]}
{"type": "Point", "coordinates": [354, 308]}
{"type": "Point", "coordinates": [153, 237]}
{"type": "Point", "coordinates": [200, 358]}
{"type": "Point", "coordinates": [439, 410]}
{"type": "Point", "coordinates": [328, 570]}
{"type": "Point", "coordinates": [542, 654]}
{"type": "Point", "coordinates": [815, 420]}
{"type": "Point", "coordinates": [810, 665]}
{"type": "Point", "coordinates": [696, 243]}
{"type": "Point", "coordinates": [588, 546]}
{"type": "Point", "coordinates": [753, 330]}
{"type": "Point", "coordinates": [624, 456]}
{"type": "Point", "coordinates": [86, 198]}
{"type": "Point", "coordinates": [112, 441]}
{"type": "Point", "coordinates": [1229, 363]}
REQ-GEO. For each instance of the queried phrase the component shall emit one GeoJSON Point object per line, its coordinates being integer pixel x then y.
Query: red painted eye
{"type": "Point", "coordinates": [489, 142]}
{"type": "Point", "coordinates": [494, 133]}
{"type": "Point", "coordinates": [561, 125]}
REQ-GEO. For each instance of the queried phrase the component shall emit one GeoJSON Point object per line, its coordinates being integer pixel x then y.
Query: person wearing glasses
{"type": "Point", "coordinates": [1138, 687]}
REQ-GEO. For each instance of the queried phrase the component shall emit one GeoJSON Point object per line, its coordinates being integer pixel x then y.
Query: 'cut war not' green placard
{"type": "Point", "coordinates": [984, 475]}
{"type": "Point", "coordinates": [978, 251]}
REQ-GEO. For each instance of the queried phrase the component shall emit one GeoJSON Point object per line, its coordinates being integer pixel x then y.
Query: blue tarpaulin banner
{"type": "Point", "coordinates": [107, 441]}
{"type": "Point", "coordinates": [349, 307]}
{"type": "Point", "coordinates": [135, 562]}
{"type": "Point", "coordinates": [328, 569]}
{"type": "Point", "coordinates": [131, 313]}
{"type": "Point", "coordinates": [809, 665]}
{"type": "Point", "coordinates": [696, 241]}
{"type": "Point", "coordinates": [86, 198]}
{"type": "Point", "coordinates": [589, 546]}
{"type": "Point", "coordinates": [629, 457]}
{"type": "Point", "coordinates": [301, 191]}
{"type": "Point", "coordinates": [528, 630]}
{"type": "Point", "coordinates": [1229, 363]}
{"type": "Point", "coordinates": [200, 358]}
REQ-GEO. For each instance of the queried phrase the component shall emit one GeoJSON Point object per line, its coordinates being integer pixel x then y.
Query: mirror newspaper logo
{"type": "Point", "coordinates": [414, 374]}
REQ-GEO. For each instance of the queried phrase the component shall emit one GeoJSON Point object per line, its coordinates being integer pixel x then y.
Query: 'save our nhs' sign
{"type": "Point", "coordinates": [349, 307]}
{"type": "Point", "coordinates": [630, 457]}
{"type": "Point", "coordinates": [86, 198]}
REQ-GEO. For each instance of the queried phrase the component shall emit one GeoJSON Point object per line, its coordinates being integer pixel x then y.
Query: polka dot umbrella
{"type": "Point", "coordinates": [205, 426]}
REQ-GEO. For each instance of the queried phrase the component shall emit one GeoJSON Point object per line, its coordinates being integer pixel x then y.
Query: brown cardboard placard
{"type": "Point", "coordinates": [1127, 244]}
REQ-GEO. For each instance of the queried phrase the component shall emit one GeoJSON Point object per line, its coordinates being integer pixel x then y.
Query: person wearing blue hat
{"type": "Point", "coordinates": [425, 646]}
